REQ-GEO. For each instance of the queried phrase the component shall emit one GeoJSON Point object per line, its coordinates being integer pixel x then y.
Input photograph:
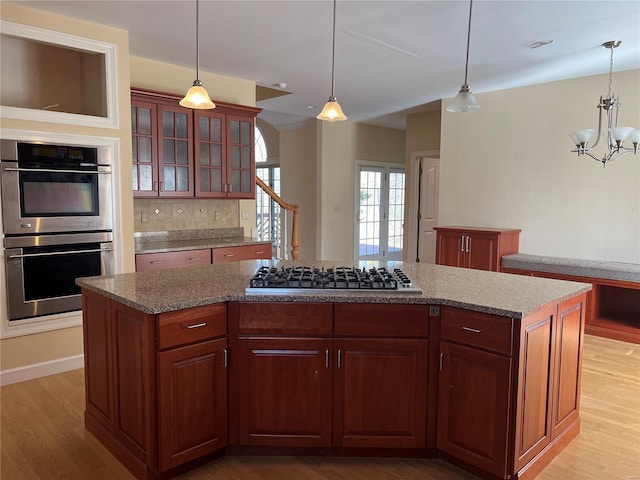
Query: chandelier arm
{"type": "Point", "coordinates": [599, 124]}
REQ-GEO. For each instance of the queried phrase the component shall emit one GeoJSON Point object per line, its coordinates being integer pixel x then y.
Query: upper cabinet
{"type": "Point", "coordinates": [179, 152]}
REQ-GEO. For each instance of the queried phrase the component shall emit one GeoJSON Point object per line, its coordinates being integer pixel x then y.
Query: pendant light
{"type": "Point", "coordinates": [197, 97]}
{"type": "Point", "coordinates": [465, 101]}
{"type": "Point", "coordinates": [332, 111]}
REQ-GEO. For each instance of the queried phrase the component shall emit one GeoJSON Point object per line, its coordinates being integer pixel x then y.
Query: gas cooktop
{"type": "Point", "coordinates": [302, 279]}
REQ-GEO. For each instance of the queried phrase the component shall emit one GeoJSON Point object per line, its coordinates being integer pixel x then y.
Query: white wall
{"type": "Point", "coordinates": [510, 166]}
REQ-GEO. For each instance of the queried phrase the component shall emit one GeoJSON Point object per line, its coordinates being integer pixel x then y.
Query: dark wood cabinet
{"type": "Point", "coordinates": [478, 248]}
{"type": "Point", "coordinates": [162, 148]}
{"type": "Point", "coordinates": [503, 379]}
{"type": "Point", "coordinates": [179, 152]}
{"type": "Point", "coordinates": [192, 402]}
{"type": "Point", "coordinates": [380, 393]}
{"type": "Point", "coordinates": [156, 385]}
{"type": "Point", "coordinates": [186, 258]}
{"type": "Point", "coordinates": [297, 390]}
{"type": "Point", "coordinates": [473, 406]}
{"type": "Point", "coordinates": [285, 392]}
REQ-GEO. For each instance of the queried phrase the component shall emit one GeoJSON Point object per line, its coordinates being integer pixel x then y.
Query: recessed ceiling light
{"type": "Point", "coordinates": [280, 85]}
{"type": "Point", "coordinates": [540, 43]}
{"type": "Point", "coordinates": [311, 106]}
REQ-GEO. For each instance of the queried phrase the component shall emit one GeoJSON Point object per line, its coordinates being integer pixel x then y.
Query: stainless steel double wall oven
{"type": "Point", "coordinates": [57, 222]}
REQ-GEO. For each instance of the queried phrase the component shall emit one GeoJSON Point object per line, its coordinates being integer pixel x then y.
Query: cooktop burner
{"type": "Point", "coordinates": [291, 280]}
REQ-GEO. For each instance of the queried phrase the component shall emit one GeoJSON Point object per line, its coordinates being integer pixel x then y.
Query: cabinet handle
{"type": "Point", "coordinates": [162, 186]}
{"type": "Point", "coordinates": [339, 358]}
{"type": "Point", "coordinates": [196, 325]}
{"type": "Point", "coordinates": [226, 357]}
{"type": "Point", "coordinates": [467, 249]}
{"type": "Point", "coordinates": [326, 358]}
{"type": "Point", "coordinates": [462, 243]}
{"type": "Point", "coordinates": [229, 254]}
{"type": "Point", "coordinates": [155, 186]}
{"type": "Point", "coordinates": [441, 357]}
{"type": "Point", "coordinates": [469, 329]}
{"type": "Point", "coordinates": [225, 188]}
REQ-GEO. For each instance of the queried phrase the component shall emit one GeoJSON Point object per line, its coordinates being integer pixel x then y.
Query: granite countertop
{"type": "Point", "coordinates": [488, 292]}
{"type": "Point", "coordinates": [627, 272]}
{"type": "Point", "coordinates": [172, 241]}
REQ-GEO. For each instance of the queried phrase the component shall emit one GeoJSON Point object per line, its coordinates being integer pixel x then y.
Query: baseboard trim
{"type": "Point", "coordinates": [37, 370]}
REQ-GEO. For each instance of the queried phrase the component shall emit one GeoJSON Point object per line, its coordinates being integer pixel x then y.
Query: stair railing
{"type": "Point", "coordinates": [289, 207]}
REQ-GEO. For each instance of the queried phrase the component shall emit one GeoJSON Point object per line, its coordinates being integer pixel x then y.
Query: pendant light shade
{"type": "Point", "coordinates": [332, 112]}
{"type": "Point", "coordinates": [465, 101]}
{"type": "Point", "coordinates": [197, 97]}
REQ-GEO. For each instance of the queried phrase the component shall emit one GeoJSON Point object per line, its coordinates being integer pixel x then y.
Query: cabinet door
{"type": "Point", "coordinates": [473, 407]}
{"type": "Point", "coordinates": [450, 249]}
{"type": "Point", "coordinates": [241, 172]}
{"type": "Point", "coordinates": [210, 155]}
{"type": "Point", "coordinates": [482, 251]}
{"type": "Point", "coordinates": [192, 402]}
{"type": "Point", "coordinates": [144, 146]}
{"type": "Point", "coordinates": [380, 393]}
{"type": "Point", "coordinates": [98, 358]}
{"type": "Point", "coordinates": [569, 335]}
{"type": "Point", "coordinates": [284, 392]}
{"type": "Point", "coordinates": [175, 155]}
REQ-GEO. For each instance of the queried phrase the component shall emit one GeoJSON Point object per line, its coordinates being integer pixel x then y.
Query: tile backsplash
{"type": "Point", "coordinates": [160, 214]}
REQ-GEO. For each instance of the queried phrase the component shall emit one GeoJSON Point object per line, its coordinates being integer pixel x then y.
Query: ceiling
{"type": "Point", "coordinates": [392, 57]}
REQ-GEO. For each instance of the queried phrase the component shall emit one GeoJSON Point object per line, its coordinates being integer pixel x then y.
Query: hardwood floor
{"type": "Point", "coordinates": [42, 436]}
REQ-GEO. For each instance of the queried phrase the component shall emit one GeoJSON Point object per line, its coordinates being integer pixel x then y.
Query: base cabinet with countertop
{"type": "Point", "coordinates": [319, 375]}
{"type": "Point", "coordinates": [495, 394]}
{"type": "Point", "coordinates": [185, 258]}
{"type": "Point", "coordinates": [156, 385]}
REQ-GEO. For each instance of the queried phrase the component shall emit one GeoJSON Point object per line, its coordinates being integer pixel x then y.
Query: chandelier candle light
{"type": "Point", "coordinates": [615, 135]}
{"type": "Point", "coordinates": [332, 111]}
{"type": "Point", "coordinates": [197, 97]}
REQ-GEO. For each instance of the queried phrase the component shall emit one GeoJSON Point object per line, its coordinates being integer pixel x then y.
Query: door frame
{"type": "Point", "coordinates": [411, 202]}
{"type": "Point", "coordinates": [385, 166]}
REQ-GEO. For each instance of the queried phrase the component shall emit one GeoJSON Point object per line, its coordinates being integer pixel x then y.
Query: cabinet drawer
{"type": "Point", "coordinates": [192, 325]}
{"type": "Point", "coordinates": [184, 258]}
{"type": "Point", "coordinates": [248, 252]}
{"type": "Point", "coordinates": [477, 329]}
{"type": "Point", "coordinates": [285, 318]}
{"type": "Point", "coordinates": [381, 320]}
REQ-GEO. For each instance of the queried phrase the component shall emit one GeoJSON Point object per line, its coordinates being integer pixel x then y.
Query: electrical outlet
{"type": "Point", "coordinates": [245, 215]}
{"type": "Point", "coordinates": [144, 217]}
{"type": "Point", "coordinates": [217, 216]}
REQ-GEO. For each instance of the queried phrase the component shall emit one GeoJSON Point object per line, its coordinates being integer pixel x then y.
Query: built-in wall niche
{"type": "Point", "coordinates": [55, 77]}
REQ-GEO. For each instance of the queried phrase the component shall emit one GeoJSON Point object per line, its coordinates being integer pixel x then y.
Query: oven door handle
{"type": "Point", "coordinates": [54, 170]}
{"type": "Point", "coordinates": [68, 252]}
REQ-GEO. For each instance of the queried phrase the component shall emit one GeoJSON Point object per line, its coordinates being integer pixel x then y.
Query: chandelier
{"type": "Point", "coordinates": [615, 135]}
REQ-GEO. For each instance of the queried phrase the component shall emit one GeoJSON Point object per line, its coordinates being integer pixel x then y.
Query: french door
{"type": "Point", "coordinates": [380, 212]}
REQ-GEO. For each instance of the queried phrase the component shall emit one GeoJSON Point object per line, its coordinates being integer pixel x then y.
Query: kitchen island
{"type": "Point", "coordinates": [481, 368]}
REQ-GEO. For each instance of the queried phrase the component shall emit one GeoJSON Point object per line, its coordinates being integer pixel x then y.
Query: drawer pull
{"type": "Point", "coordinates": [155, 261]}
{"type": "Point", "coordinates": [193, 259]}
{"type": "Point", "coordinates": [229, 254]}
{"type": "Point", "coordinates": [196, 325]}
{"type": "Point", "coordinates": [469, 329]}
{"type": "Point", "coordinates": [259, 252]}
